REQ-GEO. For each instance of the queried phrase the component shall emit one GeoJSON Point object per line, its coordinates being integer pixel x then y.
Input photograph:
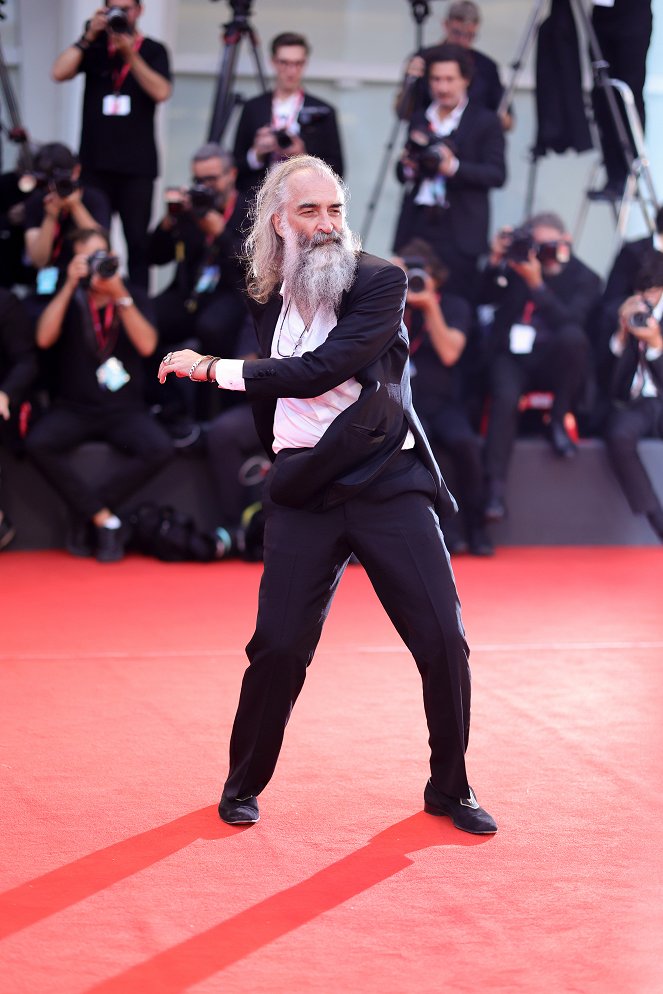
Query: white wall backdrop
{"type": "Point", "coordinates": [359, 47]}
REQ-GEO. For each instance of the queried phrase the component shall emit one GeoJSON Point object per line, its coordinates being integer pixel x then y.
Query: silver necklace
{"type": "Point", "coordinates": [289, 355]}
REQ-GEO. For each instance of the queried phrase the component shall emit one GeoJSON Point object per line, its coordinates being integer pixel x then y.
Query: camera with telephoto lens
{"type": "Point", "coordinates": [640, 318]}
{"type": "Point", "coordinates": [56, 180]}
{"type": "Point", "coordinates": [417, 274]}
{"type": "Point", "coordinates": [102, 264]}
{"type": "Point", "coordinates": [425, 156]}
{"type": "Point", "coordinates": [203, 199]}
{"type": "Point", "coordinates": [117, 21]}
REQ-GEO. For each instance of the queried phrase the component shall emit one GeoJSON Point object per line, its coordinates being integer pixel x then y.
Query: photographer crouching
{"type": "Point", "coordinates": [99, 330]}
{"type": "Point", "coordinates": [439, 324]}
{"type": "Point", "coordinates": [542, 296]}
{"type": "Point", "coordinates": [637, 389]}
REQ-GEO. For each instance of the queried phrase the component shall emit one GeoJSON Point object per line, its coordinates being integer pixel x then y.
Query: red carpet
{"type": "Point", "coordinates": [119, 687]}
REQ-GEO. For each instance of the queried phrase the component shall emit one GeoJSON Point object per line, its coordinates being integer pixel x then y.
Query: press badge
{"type": "Point", "coordinates": [521, 338]}
{"type": "Point", "coordinates": [112, 375]}
{"type": "Point", "coordinates": [47, 280]}
{"type": "Point", "coordinates": [116, 105]}
{"type": "Point", "coordinates": [207, 280]}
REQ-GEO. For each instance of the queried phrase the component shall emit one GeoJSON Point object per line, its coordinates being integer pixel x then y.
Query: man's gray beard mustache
{"type": "Point", "coordinates": [318, 270]}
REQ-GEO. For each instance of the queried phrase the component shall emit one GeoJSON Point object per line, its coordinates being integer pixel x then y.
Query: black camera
{"type": "Point", "coordinates": [557, 251]}
{"type": "Point", "coordinates": [59, 181]}
{"type": "Point", "coordinates": [283, 139]}
{"type": "Point", "coordinates": [102, 264]}
{"type": "Point", "coordinates": [640, 318]}
{"type": "Point", "coordinates": [117, 21]}
{"type": "Point", "coordinates": [426, 158]}
{"type": "Point", "coordinates": [203, 198]}
{"type": "Point", "coordinates": [519, 246]}
{"type": "Point", "coordinates": [417, 274]}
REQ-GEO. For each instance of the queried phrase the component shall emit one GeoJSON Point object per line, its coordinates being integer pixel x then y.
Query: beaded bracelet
{"type": "Point", "coordinates": [197, 363]}
{"type": "Point", "coordinates": [210, 379]}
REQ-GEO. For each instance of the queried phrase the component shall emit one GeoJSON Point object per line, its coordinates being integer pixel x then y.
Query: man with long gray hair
{"type": "Point", "coordinates": [353, 473]}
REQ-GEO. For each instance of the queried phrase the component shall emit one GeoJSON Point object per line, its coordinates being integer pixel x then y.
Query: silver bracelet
{"type": "Point", "coordinates": [195, 365]}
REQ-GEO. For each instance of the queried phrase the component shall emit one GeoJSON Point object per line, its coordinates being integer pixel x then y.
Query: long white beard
{"type": "Point", "coordinates": [318, 270]}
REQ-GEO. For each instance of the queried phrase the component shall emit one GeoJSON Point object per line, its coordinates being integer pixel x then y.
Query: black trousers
{"type": "Point", "coordinates": [559, 364]}
{"type": "Point", "coordinates": [131, 198]}
{"type": "Point", "coordinates": [448, 428]}
{"type": "Point", "coordinates": [642, 418]}
{"type": "Point", "coordinates": [134, 432]}
{"type": "Point", "coordinates": [392, 529]}
{"type": "Point", "coordinates": [231, 438]}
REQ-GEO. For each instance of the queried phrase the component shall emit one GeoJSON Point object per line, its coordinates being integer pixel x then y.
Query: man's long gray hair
{"type": "Point", "coordinates": [264, 249]}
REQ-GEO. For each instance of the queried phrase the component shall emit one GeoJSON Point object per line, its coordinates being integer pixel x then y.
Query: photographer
{"type": "Point", "coordinates": [98, 333]}
{"type": "Point", "coordinates": [637, 390]}
{"type": "Point", "coordinates": [453, 158]}
{"type": "Point", "coordinates": [126, 76]}
{"type": "Point", "coordinates": [286, 121]}
{"type": "Point", "coordinates": [542, 295]}
{"type": "Point", "coordinates": [461, 27]}
{"type": "Point", "coordinates": [18, 371]}
{"type": "Point", "coordinates": [58, 206]}
{"type": "Point", "coordinates": [439, 324]}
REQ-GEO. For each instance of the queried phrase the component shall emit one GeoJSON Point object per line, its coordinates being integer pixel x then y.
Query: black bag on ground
{"type": "Point", "coordinates": [170, 535]}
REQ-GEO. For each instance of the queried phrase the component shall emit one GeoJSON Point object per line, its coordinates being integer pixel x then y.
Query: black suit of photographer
{"type": "Point", "coordinates": [458, 233]}
{"type": "Point", "coordinates": [321, 137]}
{"type": "Point", "coordinates": [558, 359]}
{"type": "Point", "coordinates": [185, 309]}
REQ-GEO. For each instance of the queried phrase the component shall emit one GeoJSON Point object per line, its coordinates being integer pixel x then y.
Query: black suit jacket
{"type": "Point", "coordinates": [320, 137]}
{"type": "Point", "coordinates": [568, 298]}
{"type": "Point", "coordinates": [478, 144]}
{"type": "Point", "coordinates": [370, 343]}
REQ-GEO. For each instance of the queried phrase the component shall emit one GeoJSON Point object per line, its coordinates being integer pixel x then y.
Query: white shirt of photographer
{"type": "Point", "coordinates": [299, 422]}
{"type": "Point", "coordinates": [433, 191]}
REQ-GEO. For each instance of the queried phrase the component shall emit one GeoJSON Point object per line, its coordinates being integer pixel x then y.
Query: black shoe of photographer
{"type": "Point", "coordinates": [609, 193]}
{"type": "Point", "coordinates": [80, 540]}
{"type": "Point", "coordinates": [560, 440]}
{"type": "Point", "coordinates": [495, 508]}
{"type": "Point", "coordinates": [110, 544]}
{"type": "Point", "coordinates": [7, 531]}
{"type": "Point", "coordinates": [464, 812]}
{"type": "Point", "coordinates": [479, 542]}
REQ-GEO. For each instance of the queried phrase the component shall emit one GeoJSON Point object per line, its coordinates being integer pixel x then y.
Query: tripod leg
{"type": "Point", "coordinates": [224, 98]}
{"type": "Point", "coordinates": [382, 175]}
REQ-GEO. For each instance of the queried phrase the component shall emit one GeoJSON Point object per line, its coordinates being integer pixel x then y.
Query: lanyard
{"type": "Point", "coordinates": [102, 333]}
{"type": "Point", "coordinates": [119, 76]}
{"type": "Point", "coordinates": [528, 312]}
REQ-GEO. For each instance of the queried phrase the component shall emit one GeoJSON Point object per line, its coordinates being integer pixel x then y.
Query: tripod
{"type": "Point", "coordinates": [224, 98]}
{"type": "Point", "coordinates": [634, 151]}
{"type": "Point", "coordinates": [420, 11]}
{"type": "Point", "coordinates": [17, 132]}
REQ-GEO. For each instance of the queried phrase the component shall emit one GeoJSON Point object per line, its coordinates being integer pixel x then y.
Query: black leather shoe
{"type": "Point", "coordinates": [560, 440]}
{"type": "Point", "coordinates": [494, 508]}
{"type": "Point", "coordinates": [479, 541]}
{"type": "Point", "coordinates": [110, 544]}
{"type": "Point", "coordinates": [79, 540]}
{"type": "Point", "coordinates": [239, 810]}
{"type": "Point", "coordinates": [465, 813]}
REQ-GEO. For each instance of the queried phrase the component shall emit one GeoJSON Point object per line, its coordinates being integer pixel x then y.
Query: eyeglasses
{"type": "Point", "coordinates": [462, 34]}
{"type": "Point", "coordinates": [290, 63]}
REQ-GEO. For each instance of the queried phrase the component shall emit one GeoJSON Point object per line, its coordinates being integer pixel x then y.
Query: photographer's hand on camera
{"type": "Point", "coordinates": [448, 161]}
{"type": "Point", "coordinates": [530, 270]}
{"type": "Point", "coordinates": [264, 143]}
{"type": "Point", "coordinates": [636, 319]}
